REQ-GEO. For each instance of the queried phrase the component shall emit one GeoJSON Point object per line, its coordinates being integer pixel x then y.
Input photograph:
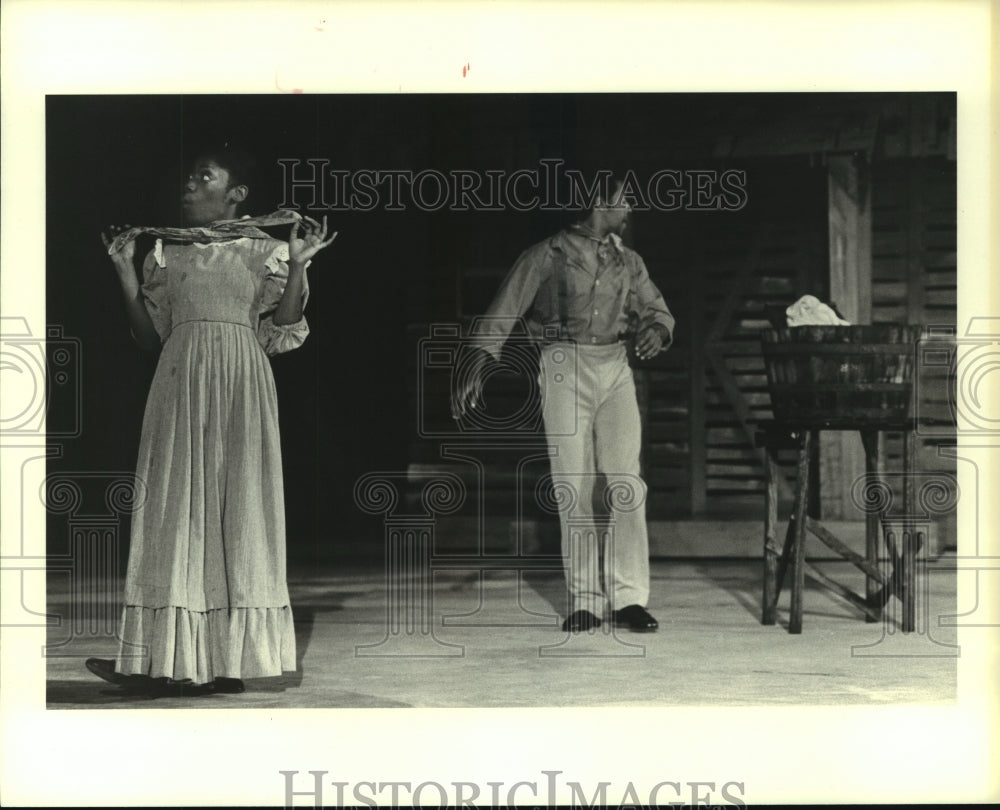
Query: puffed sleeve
{"type": "Point", "coordinates": [279, 338]}
{"type": "Point", "coordinates": [154, 291]}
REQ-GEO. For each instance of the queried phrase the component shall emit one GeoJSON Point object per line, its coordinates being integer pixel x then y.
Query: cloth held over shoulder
{"type": "Point", "coordinates": [247, 227]}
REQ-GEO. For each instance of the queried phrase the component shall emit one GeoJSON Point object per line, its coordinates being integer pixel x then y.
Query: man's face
{"type": "Point", "coordinates": [617, 210]}
{"type": "Point", "coordinates": [207, 196]}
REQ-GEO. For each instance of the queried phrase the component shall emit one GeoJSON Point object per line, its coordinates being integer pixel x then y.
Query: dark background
{"type": "Point", "coordinates": [345, 397]}
{"type": "Point", "coordinates": [342, 396]}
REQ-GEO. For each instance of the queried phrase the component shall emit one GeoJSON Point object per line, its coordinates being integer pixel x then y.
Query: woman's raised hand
{"type": "Point", "coordinates": [302, 247]}
{"type": "Point", "coordinates": [125, 257]}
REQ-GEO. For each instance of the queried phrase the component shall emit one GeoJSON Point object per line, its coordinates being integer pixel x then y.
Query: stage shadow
{"type": "Point", "coordinates": [551, 587]}
{"type": "Point", "coordinates": [86, 695]}
{"type": "Point", "coordinates": [744, 582]}
{"type": "Point", "coordinates": [96, 692]}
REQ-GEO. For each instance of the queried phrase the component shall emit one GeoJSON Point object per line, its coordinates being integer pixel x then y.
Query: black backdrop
{"type": "Point", "coordinates": [343, 396]}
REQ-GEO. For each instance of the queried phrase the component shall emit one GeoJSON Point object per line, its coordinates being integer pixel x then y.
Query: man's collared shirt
{"type": "Point", "coordinates": [575, 286]}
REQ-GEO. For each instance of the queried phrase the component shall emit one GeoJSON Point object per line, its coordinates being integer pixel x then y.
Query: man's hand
{"type": "Point", "coordinates": [467, 385]}
{"type": "Point", "coordinates": [301, 248]}
{"type": "Point", "coordinates": [649, 342]}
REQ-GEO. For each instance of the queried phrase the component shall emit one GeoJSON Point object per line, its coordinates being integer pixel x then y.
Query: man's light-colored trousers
{"type": "Point", "coordinates": [592, 426]}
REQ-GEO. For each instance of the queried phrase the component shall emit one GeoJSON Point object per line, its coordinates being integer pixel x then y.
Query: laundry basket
{"type": "Point", "coordinates": [850, 374]}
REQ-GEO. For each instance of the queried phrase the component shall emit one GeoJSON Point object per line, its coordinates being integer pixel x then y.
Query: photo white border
{"type": "Point", "coordinates": [199, 756]}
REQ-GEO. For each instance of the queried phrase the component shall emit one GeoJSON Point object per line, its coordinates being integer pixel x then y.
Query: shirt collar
{"type": "Point", "coordinates": [612, 239]}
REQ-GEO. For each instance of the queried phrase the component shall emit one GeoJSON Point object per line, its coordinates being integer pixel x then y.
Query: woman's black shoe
{"type": "Point", "coordinates": [168, 687]}
{"type": "Point", "coordinates": [229, 686]}
{"type": "Point", "coordinates": [105, 668]}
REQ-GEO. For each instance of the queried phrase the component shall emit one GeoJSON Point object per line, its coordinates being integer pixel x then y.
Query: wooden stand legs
{"type": "Point", "coordinates": [793, 550]}
{"type": "Point", "coordinates": [771, 550]}
{"type": "Point", "coordinates": [911, 540]}
{"type": "Point", "coordinates": [879, 586]}
{"type": "Point", "coordinates": [869, 438]}
{"type": "Point", "coordinates": [799, 520]}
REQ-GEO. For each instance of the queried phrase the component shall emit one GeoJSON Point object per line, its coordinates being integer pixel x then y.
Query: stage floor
{"type": "Point", "coordinates": [493, 639]}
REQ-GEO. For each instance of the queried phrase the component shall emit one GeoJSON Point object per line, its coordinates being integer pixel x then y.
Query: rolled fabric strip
{"type": "Point", "coordinates": [248, 227]}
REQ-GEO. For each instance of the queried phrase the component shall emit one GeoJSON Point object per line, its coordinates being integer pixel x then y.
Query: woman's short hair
{"type": "Point", "coordinates": [235, 159]}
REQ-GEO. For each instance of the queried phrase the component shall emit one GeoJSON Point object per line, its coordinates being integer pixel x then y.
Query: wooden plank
{"type": "Point", "coordinates": [943, 260]}
{"type": "Point", "coordinates": [667, 476]}
{"type": "Point", "coordinates": [914, 246]}
{"type": "Point", "coordinates": [717, 436]}
{"type": "Point", "coordinates": [871, 441]}
{"type": "Point", "coordinates": [771, 551]}
{"type": "Point", "coordinates": [909, 539]}
{"type": "Point", "coordinates": [799, 543]}
{"type": "Point", "coordinates": [737, 286]}
{"type": "Point", "coordinates": [745, 366]}
{"type": "Point", "coordinates": [697, 392]}
{"type": "Point", "coordinates": [889, 291]}
{"type": "Point", "coordinates": [871, 613]}
{"type": "Point", "coordinates": [888, 268]}
{"type": "Point", "coordinates": [718, 485]}
{"type": "Point", "coordinates": [885, 243]}
{"type": "Point", "coordinates": [883, 315]}
{"type": "Point", "coordinates": [940, 298]}
{"type": "Point", "coordinates": [734, 468]}
{"type": "Point", "coordinates": [749, 346]}
{"type": "Point", "coordinates": [667, 431]}
{"type": "Point", "coordinates": [833, 542]}
{"type": "Point", "coordinates": [746, 455]}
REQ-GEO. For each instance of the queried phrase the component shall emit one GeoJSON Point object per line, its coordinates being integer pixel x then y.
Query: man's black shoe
{"type": "Point", "coordinates": [636, 618]}
{"type": "Point", "coordinates": [579, 621]}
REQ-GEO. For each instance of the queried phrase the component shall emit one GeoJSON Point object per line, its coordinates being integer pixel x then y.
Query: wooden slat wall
{"type": "Point", "coordinates": [914, 276]}
{"type": "Point", "coordinates": [698, 457]}
{"type": "Point", "coordinates": [711, 388]}
{"type": "Point", "coordinates": [783, 259]}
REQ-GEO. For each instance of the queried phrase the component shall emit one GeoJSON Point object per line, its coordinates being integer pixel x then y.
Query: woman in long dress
{"type": "Point", "coordinates": [206, 599]}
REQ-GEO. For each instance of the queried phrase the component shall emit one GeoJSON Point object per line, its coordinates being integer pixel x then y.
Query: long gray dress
{"type": "Point", "coordinates": [206, 593]}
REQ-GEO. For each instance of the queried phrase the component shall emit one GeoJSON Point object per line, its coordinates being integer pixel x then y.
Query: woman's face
{"type": "Point", "coordinates": [207, 196]}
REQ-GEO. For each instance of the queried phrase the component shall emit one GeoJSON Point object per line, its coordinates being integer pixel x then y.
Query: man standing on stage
{"type": "Point", "coordinates": [582, 292]}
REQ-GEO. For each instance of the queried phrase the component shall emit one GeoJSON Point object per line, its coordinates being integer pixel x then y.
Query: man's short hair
{"type": "Point", "coordinates": [587, 182]}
